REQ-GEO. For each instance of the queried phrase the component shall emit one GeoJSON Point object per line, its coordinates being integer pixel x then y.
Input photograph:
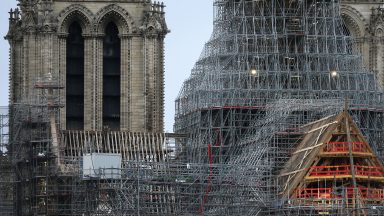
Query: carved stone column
{"type": "Point", "coordinates": [380, 59]}
{"type": "Point", "coordinates": [29, 59]}
{"type": "Point", "coordinates": [98, 81]}
{"type": "Point", "coordinates": [13, 91]}
{"type": "Point", "coordinates": [373, 55]}
{"type": "Point", "coordinates": [154, 83]}
{"type": "Point", "coordinates": [125, 81]}
{"type": "Point", "coordinates": [159, 86]}
{"type": "Point", "coordinates": [89, 83]}
{"type": "Point", "coordinates": [150, 66]}
{"type": "Point", "coordinates": [137, 90]}
{"type": "Point", "coordinates": [15, 70]}
{"type": "Point", "coordinates": [62, 57]}
{"type": "Point", "coordinates": [46, 59]}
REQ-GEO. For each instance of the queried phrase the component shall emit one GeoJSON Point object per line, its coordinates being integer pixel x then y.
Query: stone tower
{"type": "Point", "coordinates": [108, 56]}
{"type": "Point", "coordinates": [364, 20]}
{"type": "Point", "coordinates": [85, 70]}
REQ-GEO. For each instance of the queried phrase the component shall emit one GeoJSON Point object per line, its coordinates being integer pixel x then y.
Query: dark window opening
{"type": "Point", "coordinates": [111, 78]}
{"type": "Point", "coordinates": [75, 78]}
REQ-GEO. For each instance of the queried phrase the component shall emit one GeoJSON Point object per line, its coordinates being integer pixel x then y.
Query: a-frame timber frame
{"type": "Point", "coordinates": [333, 166]}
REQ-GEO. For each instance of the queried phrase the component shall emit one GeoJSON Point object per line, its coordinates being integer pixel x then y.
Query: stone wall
{"type": "Point", "coordinates": [38, 35]}
{"type": "Point", "coordinates": [364, 20]}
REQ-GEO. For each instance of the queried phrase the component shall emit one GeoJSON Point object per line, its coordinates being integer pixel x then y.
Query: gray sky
{"type": "Point", "coordinates": [4, 49]}
{"type": "Point", "coordinates": [190, 23]}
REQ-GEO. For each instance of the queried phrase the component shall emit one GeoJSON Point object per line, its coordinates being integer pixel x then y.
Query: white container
{"type": "Point", "coordinates": [102, 166]}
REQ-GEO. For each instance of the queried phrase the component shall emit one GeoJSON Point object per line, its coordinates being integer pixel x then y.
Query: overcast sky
{"type": "Point", "coordinates": [190, 23]}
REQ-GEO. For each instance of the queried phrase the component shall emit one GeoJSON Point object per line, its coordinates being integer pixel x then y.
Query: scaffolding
{"type": "Point", "coordinates": [270, 68]}
{"type": "Point", "coordinates": [7, 176]}
{"type": "Point", "coordinates": [333, 169]}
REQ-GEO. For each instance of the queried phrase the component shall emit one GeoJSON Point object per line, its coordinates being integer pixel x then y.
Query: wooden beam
{"type": "Point", "coordinates": [321, 127]}
{"type": "Point", "coordinates": [308, 148]}
{"type": "Point", "coordinates": [293, 172]}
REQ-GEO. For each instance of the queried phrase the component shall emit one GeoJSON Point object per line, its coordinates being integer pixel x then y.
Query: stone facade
{"type": "Point", "coordinates": [38, 40]}
{"type": "Point", "coordinates": [364, 20]}
{"type": "Point", "coordinates": [38, 36]}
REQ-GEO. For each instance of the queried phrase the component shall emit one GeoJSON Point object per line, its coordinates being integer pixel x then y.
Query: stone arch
{"type": "Point", "coordinates": [354, 21]}
{"type": "Point", "coordinates": [116, 14]}
{"type": "Point", "coordinates": [153, 24]}
{"type": "Point", "coordinates": [73, 13]}
{"type": "Point", "coordinates": [379, 31]}
{"type": "Point", "coordinates": [377, 26]}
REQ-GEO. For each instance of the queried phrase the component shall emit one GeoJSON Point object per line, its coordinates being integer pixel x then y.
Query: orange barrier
{"type": "Point", "coordinates": [369, 170]}
{"type": "Point", "coordinates": [330, 171]}
{"type": "Point", "coordinates": [343, 147]}
{"type": "Point", "coordinates": [326, 193]}
{"type": "Point", "coordinates": [313, 193]}
{"type": "Point", "coordinates": [368, 193]}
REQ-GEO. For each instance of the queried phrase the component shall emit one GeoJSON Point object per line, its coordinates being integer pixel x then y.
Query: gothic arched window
{"type": "Point", "coordinates": [75, 78]}
{"type": "Point", "coordinates": [111, 77]}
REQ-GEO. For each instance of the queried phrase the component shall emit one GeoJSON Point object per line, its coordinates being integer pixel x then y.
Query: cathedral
{"type": "Point", "coordinates": [108, 56]}
{"type": "Point", "coordinates": [87, 107]}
